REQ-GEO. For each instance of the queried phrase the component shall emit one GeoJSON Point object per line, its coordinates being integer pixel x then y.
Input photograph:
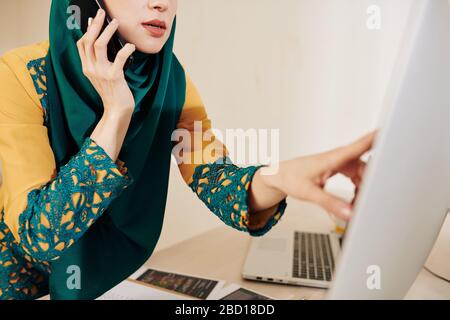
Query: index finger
{"type": "Point", "coordinates": [93, 33]}
{"type": "Point", "coordinates": [354, 151]}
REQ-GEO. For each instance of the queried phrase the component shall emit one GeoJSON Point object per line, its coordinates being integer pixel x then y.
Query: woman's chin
{"type": "Point", "coordinates": [149, 48]}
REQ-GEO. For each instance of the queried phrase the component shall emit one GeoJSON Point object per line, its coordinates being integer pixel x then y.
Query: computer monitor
{"type": "Point", "coordinates": [406, 191]}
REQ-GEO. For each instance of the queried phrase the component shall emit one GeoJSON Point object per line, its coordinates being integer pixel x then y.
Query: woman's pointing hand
{"type": "Point", "coordinates": [304, 178]}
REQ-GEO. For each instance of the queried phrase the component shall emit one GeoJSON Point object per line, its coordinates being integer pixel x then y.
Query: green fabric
{"type": "Point", "coordinates": [228, 201]}
{"type": "Point", "coordinates": [124, 237]}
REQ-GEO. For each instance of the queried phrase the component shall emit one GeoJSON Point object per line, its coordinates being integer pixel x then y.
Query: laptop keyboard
{"type": "Point", "coordinates": [313, 258]}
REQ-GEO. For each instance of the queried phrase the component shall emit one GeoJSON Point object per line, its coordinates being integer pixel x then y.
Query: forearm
{"type": "Point", "coordinates": [59, 213]}
{"type": "Point", "coordinates": [111, 130]}
{"type": "Point", "coordinates": [224, 188]}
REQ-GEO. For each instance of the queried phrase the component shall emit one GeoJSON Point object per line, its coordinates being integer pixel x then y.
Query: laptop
{"type": "Point", "coordinates": [296, 258]}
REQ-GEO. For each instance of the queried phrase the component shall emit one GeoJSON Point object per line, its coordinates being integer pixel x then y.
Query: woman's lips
{"type": "Point", "coordinates": [156, 28]}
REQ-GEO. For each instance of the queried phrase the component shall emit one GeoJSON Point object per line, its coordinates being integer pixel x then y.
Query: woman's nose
{"type": "Point", "coordinates": [160, 5]}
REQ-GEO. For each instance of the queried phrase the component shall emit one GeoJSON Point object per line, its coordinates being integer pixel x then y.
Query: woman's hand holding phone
{"type": "Point", "coordinates": [107, 77]}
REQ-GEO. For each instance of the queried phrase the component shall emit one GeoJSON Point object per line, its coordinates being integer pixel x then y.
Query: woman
{"type": "Point", "coordinates": [85, 151]}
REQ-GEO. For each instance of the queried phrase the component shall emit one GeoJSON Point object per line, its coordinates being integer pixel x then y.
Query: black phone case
{"type": "Point", "coordinates": [88, 10]}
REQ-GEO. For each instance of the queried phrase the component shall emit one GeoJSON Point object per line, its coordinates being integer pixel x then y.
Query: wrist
{"type": "Point", "coordinates": [117, 113]}
{"type": "Point", "coordinates": [271, 178]}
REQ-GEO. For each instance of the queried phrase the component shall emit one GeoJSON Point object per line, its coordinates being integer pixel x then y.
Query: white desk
{"type": "Point", "coordinates": [220, 254]}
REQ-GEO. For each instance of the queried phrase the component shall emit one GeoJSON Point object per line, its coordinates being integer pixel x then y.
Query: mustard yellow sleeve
{"type": "Point", "coordinates": [195, 142]}
{"type": "Point", "coordinates": [27, 161]}
{"type": "Point", "coordinates": [205, 165]}
{"type": "Point", "coordinates": [48, 211]}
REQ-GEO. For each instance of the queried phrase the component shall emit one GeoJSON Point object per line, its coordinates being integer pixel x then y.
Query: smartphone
{"type": "Point", "coordinates": [89, 9]}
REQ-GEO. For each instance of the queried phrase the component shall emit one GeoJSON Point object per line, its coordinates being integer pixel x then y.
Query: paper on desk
{"type": "Point", "coordinates": [198, 287]}
{"type": "Point", "coordinates": [128, 290]}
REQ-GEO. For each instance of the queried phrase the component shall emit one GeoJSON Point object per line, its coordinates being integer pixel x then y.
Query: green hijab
{"type": "Point", "coordinates": [124, 237]}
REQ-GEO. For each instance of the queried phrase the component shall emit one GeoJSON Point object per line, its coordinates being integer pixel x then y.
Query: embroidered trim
{"type": "Point", "coordinates": [60, 212]}
{"type": "Point", "coordinates": [223, 187]}
{"type": "Point", "coordinates": [38, 75]}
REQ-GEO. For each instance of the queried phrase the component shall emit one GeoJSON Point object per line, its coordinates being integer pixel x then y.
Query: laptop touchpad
{"type": "Point", "coordinates": [273, 244]}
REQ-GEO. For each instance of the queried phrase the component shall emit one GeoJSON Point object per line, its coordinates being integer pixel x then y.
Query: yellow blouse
{"type": "Point", "coordinates": [27, 163]}
{"type": "Point", "coordinates": [27, 160]}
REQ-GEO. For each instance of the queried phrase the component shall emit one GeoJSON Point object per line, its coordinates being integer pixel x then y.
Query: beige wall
{"type": "Point", "coordinates": [319, 75]}
{"type": "Point", "coordinates": [23, 22]}
{"type": "Point", "coordinates": [9, 35]}
{"type": "Point", "coordinates": [308, 67]}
